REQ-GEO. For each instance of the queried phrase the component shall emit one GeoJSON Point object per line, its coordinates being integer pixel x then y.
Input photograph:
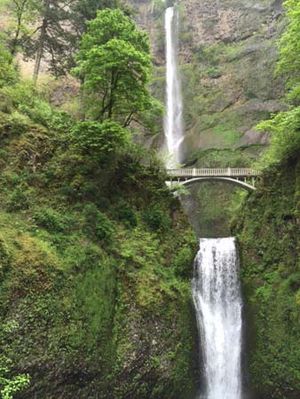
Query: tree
{"type": "Point", "coordinates": [289, 61]}
{"type": "Point", "coordinates": [42, 29]}
{"type": "Point", "coordinates": [86, 10]}
{"type": "Point", "coordinates": [114, 66]}
{"type": "Point", "coordinates": [53, 38]}
{"type": "Point", "coordinates": [22, 13]}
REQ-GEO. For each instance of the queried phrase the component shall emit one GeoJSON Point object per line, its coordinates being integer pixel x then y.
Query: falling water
{"type": "Point", "coordinates": [217, 299]}
{"type": "Point", "coordinates": [173, 121]}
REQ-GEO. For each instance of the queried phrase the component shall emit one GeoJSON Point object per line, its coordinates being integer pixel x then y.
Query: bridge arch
{"type": "Point", "coordinates": [240, 183]}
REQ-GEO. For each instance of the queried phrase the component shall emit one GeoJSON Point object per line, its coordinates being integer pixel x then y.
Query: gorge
{"type": "Point", "coordinates": [99, 298]}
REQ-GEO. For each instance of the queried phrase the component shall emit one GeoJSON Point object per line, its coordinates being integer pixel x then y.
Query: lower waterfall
{"type": "Point", "coordinates": [218, 303]}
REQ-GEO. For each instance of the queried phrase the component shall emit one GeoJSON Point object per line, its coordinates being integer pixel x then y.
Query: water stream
{"type": "Point", "coordinates": [173, 127]}
{"type": "Point", "coordinates": [218, 303]}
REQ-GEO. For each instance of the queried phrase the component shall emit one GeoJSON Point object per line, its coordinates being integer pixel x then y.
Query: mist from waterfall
{"type": "Point", "coordinates": [173, 126]}
{"type": "Point", "coordinates": [218, 303]}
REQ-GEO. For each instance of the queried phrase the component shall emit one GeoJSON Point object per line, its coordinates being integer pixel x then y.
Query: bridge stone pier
{"type": "Point", "coordinates": [244, 177]}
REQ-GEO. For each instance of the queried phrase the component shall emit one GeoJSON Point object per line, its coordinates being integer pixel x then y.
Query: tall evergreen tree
{"type": "Point", "coordinates": [53, 37]}
{"type": "Point", "coordinates": [86, 10]}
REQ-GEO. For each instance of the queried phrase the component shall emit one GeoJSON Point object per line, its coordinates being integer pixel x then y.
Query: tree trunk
{"type": "Point", "coordinates": [40, 50]}
{"type": "Point", "coordinates": [20, 12]}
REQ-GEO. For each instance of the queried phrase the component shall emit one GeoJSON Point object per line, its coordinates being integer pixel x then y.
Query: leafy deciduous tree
{"type": "Point", "coordinates": [114, 66]}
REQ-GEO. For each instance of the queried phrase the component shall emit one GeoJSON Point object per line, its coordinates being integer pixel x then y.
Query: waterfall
{"type": "Point", "coordinates": [173, 127]}
{"type": "Point", "coordinates": [217, 299]}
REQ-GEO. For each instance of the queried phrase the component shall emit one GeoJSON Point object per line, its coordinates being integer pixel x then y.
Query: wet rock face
{"type": "Point", "coordinates": [230, 20]}
{"type": "Point", "coordinates": [228, 55]}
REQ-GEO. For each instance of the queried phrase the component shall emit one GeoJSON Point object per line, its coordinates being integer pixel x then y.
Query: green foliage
{"type": "Point", "coordinates": [100, 141]}
{"type": "Point", "coordinates": [156, 218]}
{"type": "Point", "coordinates": [52, 220]}
{"type": "Point", "coordinates": [8, 74]}
{"type": "Point", "coordinates": [285, 126]}
{"type": "Point", "coordinates": [23, 14]}
{"type": "Point", "coordinates": [95, 296]}
{"type": "Point", "coordinates": [18, 199]}
{"type": "Point", "coordinates": [114, 65]}
{"type": "Point", "coordinates": [11, 385]}
{"type": "Point", "coordinates": [4, 258]}
{"type": "Point", "coordinates": [97, 223]}
{"type": "Point", "coordinates": [285, 136]}
{"type": "Point", "coordinates": [86, 10]}
{"type": "Point", "coordinates": [270, 274]}
{"type": "Point", "coordinates": [80, 273]}
{"type": "Point", "coordinates": [126, 214]}
{"type": "Point", "coordinates": [30, 102]}
{"type": "Point", "coordinates": [289, 62]}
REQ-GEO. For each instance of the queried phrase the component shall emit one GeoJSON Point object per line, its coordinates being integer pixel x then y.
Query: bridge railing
{"type": "Point", "coordinates": [217, 172]}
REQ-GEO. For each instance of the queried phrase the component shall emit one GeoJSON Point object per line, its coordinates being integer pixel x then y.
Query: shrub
{"type": "Point", "coordinates": [4, 258]}
{"type": "Point", "coordinates": [8, 74]}
{"type": "Point", "coordinates": [285, 136]}
{"type": "Point", "coordinates": [97, 223]}
{"type": "Point", "coordinates": [100, 140]}
{"type": "Point", "coordinates": [126, 215]}
{"type": "Point", "coordinates": [18, 200]}
{"type": "Point", "coordinates": [182, 262]}
{"type": "Point", "coordinates": [52, 220]}
{"type": "Point", "coordinates": [156, 218]}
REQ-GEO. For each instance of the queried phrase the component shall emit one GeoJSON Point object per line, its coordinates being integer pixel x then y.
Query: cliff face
{"type": "Point", "coordinates": [228, 55]}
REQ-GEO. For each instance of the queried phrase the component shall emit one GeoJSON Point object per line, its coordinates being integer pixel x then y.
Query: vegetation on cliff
{"type": "Point", "coordinates": [268, 231]}
{"type": "Point", "coordinates": [95, 254]}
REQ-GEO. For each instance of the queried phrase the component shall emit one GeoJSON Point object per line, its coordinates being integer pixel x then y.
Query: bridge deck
{"type": "Point", "coordinates": [212, 172]}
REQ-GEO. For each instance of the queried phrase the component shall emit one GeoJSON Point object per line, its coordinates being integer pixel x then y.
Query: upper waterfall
{"type": "Point", "coordinates": [173, 126]}
{"type": "Point", "coordinates": [218, 303]}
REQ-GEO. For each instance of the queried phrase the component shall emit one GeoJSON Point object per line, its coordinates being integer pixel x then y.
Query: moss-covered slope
{"type": "Point", "coordinates": [95, 265]}
{"type": "Point", "coordinates": [268, 232]}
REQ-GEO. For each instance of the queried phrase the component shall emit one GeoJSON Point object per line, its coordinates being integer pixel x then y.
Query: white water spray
{"type": "Point", "coordinates": [173, 127]}
{"type": "Point", "coordinates": [217, 299]}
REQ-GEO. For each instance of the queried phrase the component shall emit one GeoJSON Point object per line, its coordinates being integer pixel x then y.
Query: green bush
{"type": "Point", "coordinates": [8, 74]}
{"type": "Point", "coordinates": [156, 218]}
{"type": "Point", "coordinates": [52, 220]}
{"type": "Point", "coordinates": [100, 140]}
{"type": "Point", "coordinates": [285, 136]}
{"type": "Point", "coordinates": [97, 223]}
{"type": "Point", "coordinates": [27, 100]}
{"type": "Point", "coordinates": [182, 261]}
{"type": "Point", "coordinates": [18, 200]}
{"type": "Point", "coordinates": [126, 215]}
{"type": "Point", "coordinates": [4, 259]}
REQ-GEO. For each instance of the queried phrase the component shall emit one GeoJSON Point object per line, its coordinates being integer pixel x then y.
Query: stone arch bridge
{"type": "Point", "coordinates": [244, 177]}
